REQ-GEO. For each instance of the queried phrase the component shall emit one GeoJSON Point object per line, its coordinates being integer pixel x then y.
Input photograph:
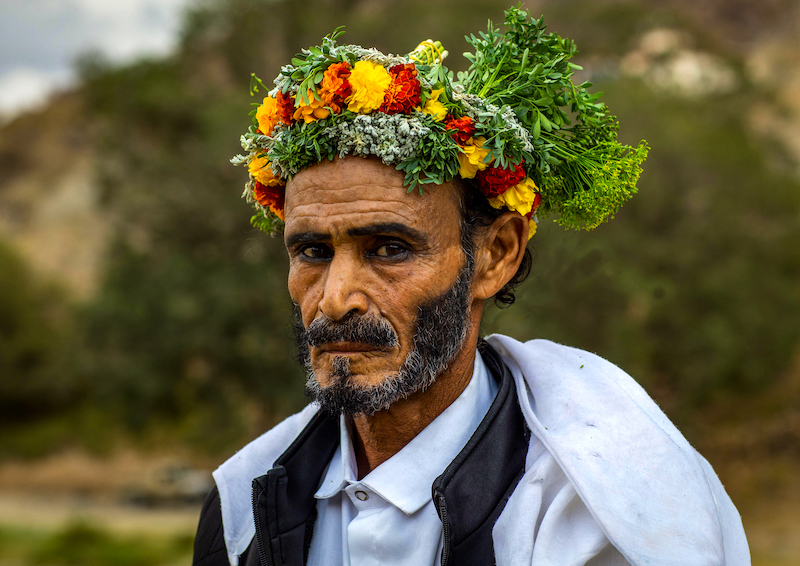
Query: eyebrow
{"type": "Point", "coordinates": [389, 228]}
{"type": "Point", "coordinates": [306, 238]}
{"type": "Point", "coordinates": [360, 231]}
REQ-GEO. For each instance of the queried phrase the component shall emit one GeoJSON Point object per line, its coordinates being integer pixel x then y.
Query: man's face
{"type": "Point", "coordinates": [376, 274]}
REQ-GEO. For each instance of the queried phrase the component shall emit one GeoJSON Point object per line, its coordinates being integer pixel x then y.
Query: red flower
{"type": "Point", "coordinates": [404, 91]}
{"type": "Point", "coordinates": [537, 200]}
{"type": "Point", "coordinates": [271, 197]}
{"type": "Point", "coordinates": [335, 87]}
{"type": "Point", "coordinates": [285, 108]}
{"type": "Point", "coordinates": [464, 128]}
{"type": "Point", "coordinates": [494, 181]}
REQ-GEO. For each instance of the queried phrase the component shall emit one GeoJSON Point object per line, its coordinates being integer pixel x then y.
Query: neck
{"type": "Point", "coordinates": [378, 437]}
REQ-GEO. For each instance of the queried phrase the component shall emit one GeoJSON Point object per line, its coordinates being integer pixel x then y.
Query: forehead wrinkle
{"type": "Point", "coordinates": [392, 206]}
{"type": "Point", "coordinates": [343, 212]}
{"type": "Point", "coordinates": [331, 195]}
{"type": "Point", "coordinates": [329, 185]}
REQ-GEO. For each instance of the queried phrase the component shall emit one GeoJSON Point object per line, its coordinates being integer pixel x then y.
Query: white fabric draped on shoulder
{"type": "Point", "coordinates": [655, 498]}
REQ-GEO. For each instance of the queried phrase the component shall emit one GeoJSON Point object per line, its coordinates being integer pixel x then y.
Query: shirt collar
{"type": "Point", "coordinates": [342, 469]}
{"type": "Point", "coordinates": [405, 479]}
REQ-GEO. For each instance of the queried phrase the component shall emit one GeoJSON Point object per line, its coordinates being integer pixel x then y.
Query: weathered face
{"type": "Point", "coordinates": [362, 247]}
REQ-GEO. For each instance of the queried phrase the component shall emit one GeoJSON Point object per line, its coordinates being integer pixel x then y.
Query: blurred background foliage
{"type": "Point", "coordinates": [143, 320]}
{"type": "Point", "coordinates": [184, 338]}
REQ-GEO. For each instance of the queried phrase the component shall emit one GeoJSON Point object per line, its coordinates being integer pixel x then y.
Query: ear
{"type": "Point", "coordinates": [499, 253]}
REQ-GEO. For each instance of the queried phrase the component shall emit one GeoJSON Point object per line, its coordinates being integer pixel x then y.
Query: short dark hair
{"type": "Point", "coordinates": [476, 214]}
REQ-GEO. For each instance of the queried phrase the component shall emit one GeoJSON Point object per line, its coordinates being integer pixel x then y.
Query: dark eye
{"type": "Point", "coordinates": [391, 249]}
{"type": "Point", "coordinates": [316, 251]}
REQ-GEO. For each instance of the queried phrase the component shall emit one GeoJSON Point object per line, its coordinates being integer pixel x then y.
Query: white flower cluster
{"type": "Point", "coordinates": [248, 192]}
{"type": "Point", "coordinates": [510, 118]}
{"type": "Point", "coordinates": [240, 159]}
{"type": "Point", "coordinates": [392, 138]}
{"type": "Point", "coordinates": [252, 142]}
{"type": "Point", "coordinates": [478, 109]}
{"type": "Point", "coordinates": [284, 80]}
{"type": "Point", "coordinates": [374, 56]}
{"type": "Point", "coordinates": [281, 134]}
{"type": "Point", "coordinates": [470, 100]}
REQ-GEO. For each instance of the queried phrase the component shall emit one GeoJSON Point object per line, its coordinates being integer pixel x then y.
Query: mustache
{"type": "Point", "coordinates": [362, 329]}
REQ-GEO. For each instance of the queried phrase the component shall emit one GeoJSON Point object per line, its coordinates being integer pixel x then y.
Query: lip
{"type": "Point", "coordinates": [344, 348]}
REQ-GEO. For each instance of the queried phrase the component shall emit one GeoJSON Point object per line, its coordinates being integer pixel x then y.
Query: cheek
{"type": "Point", "coordinates": [400, 305]}
{"type": "Point", "coordinates": [303, 290]}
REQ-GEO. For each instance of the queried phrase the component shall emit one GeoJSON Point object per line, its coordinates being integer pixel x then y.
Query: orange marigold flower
{"type": "Point", "coordinates": [335, 86]}
{"type": "Point", "coordinates": [494, 181]}
{"type": "Point", "coordinates": [267, 115]}
{"type": "Point", "coordinates": [271, 197]}
{"type": "Point", "coordinates": [311, 112]}
{"type": "Point", "coordinates": [285, 108]}
{"type": "Point", "coordinates": [404, 91]}
{"type": "Point", "coordinates": [463, 128]}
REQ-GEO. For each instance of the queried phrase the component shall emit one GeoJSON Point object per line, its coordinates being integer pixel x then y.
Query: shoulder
{"type": "Point", "coordinates": [577, 383]}
{"type": "Point", "coordinates": [234, 477]}
{"type": "Point", "coordinates": [638, 476]}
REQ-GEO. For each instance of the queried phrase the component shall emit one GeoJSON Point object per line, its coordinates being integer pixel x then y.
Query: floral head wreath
{"type": "Point", "coordinates": [535, 142]}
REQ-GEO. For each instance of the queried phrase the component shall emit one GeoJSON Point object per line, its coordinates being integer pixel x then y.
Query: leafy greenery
{"type": "Point", "coordinates": [584, 173]}
{"type": "Point", "coordinates": [436, 159]}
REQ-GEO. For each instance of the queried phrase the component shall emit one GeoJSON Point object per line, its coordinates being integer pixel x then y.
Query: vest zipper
{"type": "Point", "coordinates": [262, 552]}
{"type": "Point", "coordinates": [441, 508]}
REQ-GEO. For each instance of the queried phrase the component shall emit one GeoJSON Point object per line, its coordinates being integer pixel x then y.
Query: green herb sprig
{"type": "Point", "coordinates": [574, 136]}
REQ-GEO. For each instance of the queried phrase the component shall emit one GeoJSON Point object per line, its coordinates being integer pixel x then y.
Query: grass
{"type": "Point", "coordinates": [82, 544]}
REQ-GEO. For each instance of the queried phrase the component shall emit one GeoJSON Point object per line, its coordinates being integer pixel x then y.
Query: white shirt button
{"type": "Point", "coordinates": [362, 495]}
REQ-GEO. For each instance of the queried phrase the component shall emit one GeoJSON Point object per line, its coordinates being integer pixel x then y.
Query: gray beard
{"type": "Point", "coordinates": [440, 329]}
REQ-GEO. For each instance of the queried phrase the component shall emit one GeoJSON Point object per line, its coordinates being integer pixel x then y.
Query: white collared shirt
{"type": "Point", "coordinates": [389, 516]}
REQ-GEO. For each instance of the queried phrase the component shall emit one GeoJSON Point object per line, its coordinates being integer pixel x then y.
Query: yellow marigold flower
{"type": "Point", "coordinates": [433, 107]}
{"type": "Point", "coordinates": [369, 82]}
{"type": "Point", "coordinates": [531, 228]}
{"type": "Point", "coordinates": [519, 197]}
{"type": "Point", "coordinates": [261, 171]}
{"type": "Point", "coordinates": [471, 157]}
{"type": "Point", "coordinates": [267, 115]}
{"type": "Point", "coordinates": [312, 111]}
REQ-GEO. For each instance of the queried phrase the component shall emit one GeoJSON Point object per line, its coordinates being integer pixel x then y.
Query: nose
{"type": "Point", "coordinates": [344, 291]}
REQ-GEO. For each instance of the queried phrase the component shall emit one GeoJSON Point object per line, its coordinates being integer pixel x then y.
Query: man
{"type": "Point", "coordinates": [425, 444]}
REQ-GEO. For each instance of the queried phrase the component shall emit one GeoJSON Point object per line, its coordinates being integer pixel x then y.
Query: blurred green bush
{"type": "Point", "coordinates": [83, 544]}
{"type": "Point", "coordinates": [36, 325]}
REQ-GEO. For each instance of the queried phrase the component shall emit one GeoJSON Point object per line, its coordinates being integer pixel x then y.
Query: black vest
{"type": "Point", "coordinates": [469, 495]}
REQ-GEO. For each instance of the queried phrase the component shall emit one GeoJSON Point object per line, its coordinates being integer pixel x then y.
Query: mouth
{"type": "Point", "coordinates": [348, 348]}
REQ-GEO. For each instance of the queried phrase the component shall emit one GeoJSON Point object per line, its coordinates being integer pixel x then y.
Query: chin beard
{"type": "Point", "coordinates": [439, 332]}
